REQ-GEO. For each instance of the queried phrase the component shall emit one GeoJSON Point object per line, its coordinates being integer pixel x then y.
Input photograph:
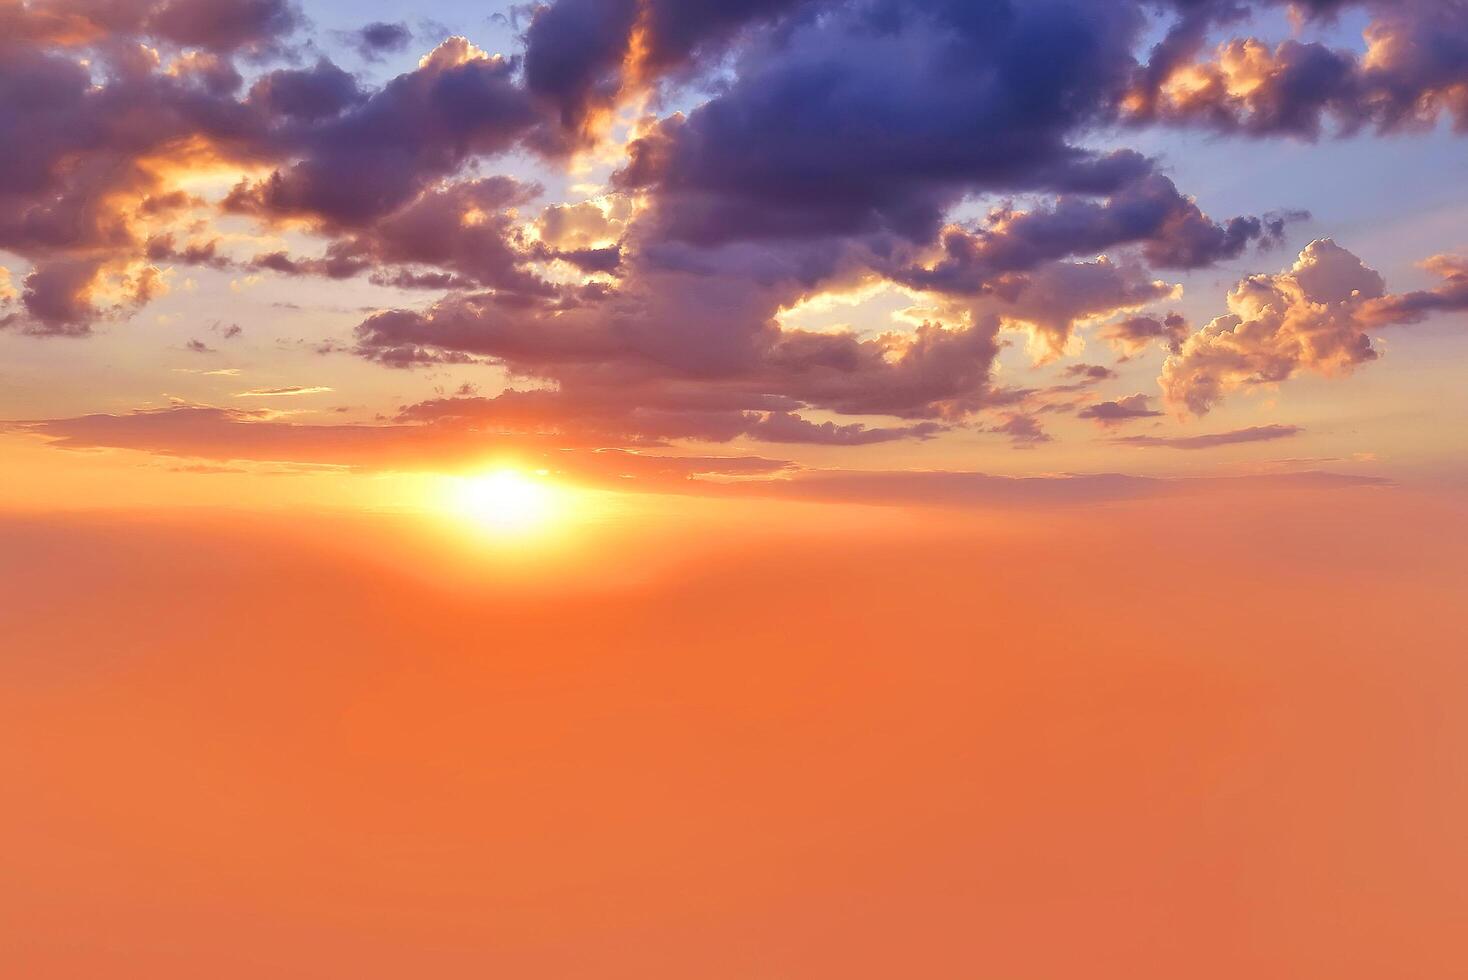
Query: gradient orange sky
{"type": "Point", "coordinates": [756, 489]}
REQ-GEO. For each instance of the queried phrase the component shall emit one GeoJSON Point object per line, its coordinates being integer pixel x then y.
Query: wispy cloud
{"type": "Point", "coordinates": [1256, 433]}
{"type": "Point", "coordinates": [290, 390]}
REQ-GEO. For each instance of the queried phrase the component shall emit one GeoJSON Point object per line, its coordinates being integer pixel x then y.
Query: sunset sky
{"type": "Point", "coordinates": [733, 488]}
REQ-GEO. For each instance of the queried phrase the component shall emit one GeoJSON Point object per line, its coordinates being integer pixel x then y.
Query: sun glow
{"type": "Point", "coordinates": [507, 502]}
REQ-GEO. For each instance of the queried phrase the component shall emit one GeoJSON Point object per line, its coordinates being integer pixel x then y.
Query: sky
{"type": "Point", "coordinates": [787, 488]}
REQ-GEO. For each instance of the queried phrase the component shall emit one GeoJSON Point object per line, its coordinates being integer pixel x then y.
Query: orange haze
{"type": "Point", "coordinates": [1203, 738]}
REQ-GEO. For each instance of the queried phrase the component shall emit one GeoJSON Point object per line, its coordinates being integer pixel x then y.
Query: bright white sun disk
{"type": "Point", "coordinates": [506, 501]}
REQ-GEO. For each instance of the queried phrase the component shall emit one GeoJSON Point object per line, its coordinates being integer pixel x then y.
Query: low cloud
{"type": "Point", "coordinates": [1258, 433]}
{"type": "Point", "coordinates": [290, 390]}
{"type": "Point", "coordinates": [1121, 410]}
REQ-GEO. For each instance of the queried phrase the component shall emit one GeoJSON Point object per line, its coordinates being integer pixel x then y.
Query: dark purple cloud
{"type": "Point", "coordinates": [225, 435]}
{"type": "Point", "coordinates": [374, 155]}
{"type": "Point", "coordinates": [222, 436]}
{"type": "Point", "coordinates": [876, 117]}
{"type": "Point", "coordinates": [653, 416]}
{"type": "Point", "coordinates": [1089, 373]}
{"type": "Point", "coordinates": [581, 53]}
{"type": "Point", "coordinates": [826, 146]}
{"type": "Point", "coordinates": [1450, 296]}
{"type": "Point", "coordinates": [1121, 410]}
{"type": "Point", "coordinates": [1413, 73]}
{"type": "Point", "coordinates": [457, 235]}
{"type": "Point", "coordinates": [1134, 333]}
{"type": "Point", "coordinates": [255, 26]}
{"type": "Point", "coordinates": [1172, 232]}
{"type": "Point", "coordinates": [380, 37]}
{"type": "Point", "coordinates": [1024, 431]}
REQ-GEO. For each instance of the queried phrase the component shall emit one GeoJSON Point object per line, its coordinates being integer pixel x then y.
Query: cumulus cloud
{"type": "Point", "coordinates": [826, 146]}
{"type": "Point", "coordinates": [363, 157]}
{"type": "Point", "coordinates": [1313, 317]}
{"type": "Point", "coordinates": [1413, 72]}
{"type": "Point", "coordinates": [1307, 318]}
{"type": "Point", "coordinates": [581, 55]}
{"type": "Point", "coordinates": [785, 151]}
{"type": "Point", "coordinates": [97, 126]}
{"type": "Point", "coordinates": [1170, 229]}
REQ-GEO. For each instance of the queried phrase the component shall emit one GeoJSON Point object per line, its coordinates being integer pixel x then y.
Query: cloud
{"type": "Point", "coordinates": [364, 157]}
{"type": "Point", "coordinates": [1307, 318]}
{"type": "Point", "coordinates": [785, 151]}
{"type": "Point", "coordinates": [1121, 410]}
{"type": "Point", "coordinates": [1024, 431]}
{"type": "Point", "coordinates": [1312, 317]}
{"type": "Point", "coordinates": [256, 26]}
{"type": "Point", "coordinates": [581, 55]}
{"type": "Point", "coordinates": [379, 38]}
{"type": "Point", "coordinates": [1133, 334]}
{"type": "Point", "coordinates": [1170, 229]}
{"type": "Point", "coordinates": [825, 147]}
{"type": "Point", "coordinates": [226, 435]}
{"type": "Point", "coordinates": [653, 416]}
{"type": "Point", "coordinates": [1257, 433]}
{"type": "Point", "coordinates": [1413, 72]}
{"type": "Point", "coordinates": [1089, 373]}
{"type": "Point", "coordinates": [666, 328]}
{"type": "Point", "coordinates": [290, 390]}
{"type": "Point", "coordinates": [87, 193]}
{"type": "Point", "coordinates": [459, 235]}
{"type": "Point", "coordinates": [1450, 296]}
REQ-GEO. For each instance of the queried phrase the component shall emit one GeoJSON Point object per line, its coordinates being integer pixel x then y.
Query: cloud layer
{"type": "Point", "coordinates": [944, 150]}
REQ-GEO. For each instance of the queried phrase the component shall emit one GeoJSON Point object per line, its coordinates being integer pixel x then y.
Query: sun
{"type": "Point", "coordinates": [506, 502]}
